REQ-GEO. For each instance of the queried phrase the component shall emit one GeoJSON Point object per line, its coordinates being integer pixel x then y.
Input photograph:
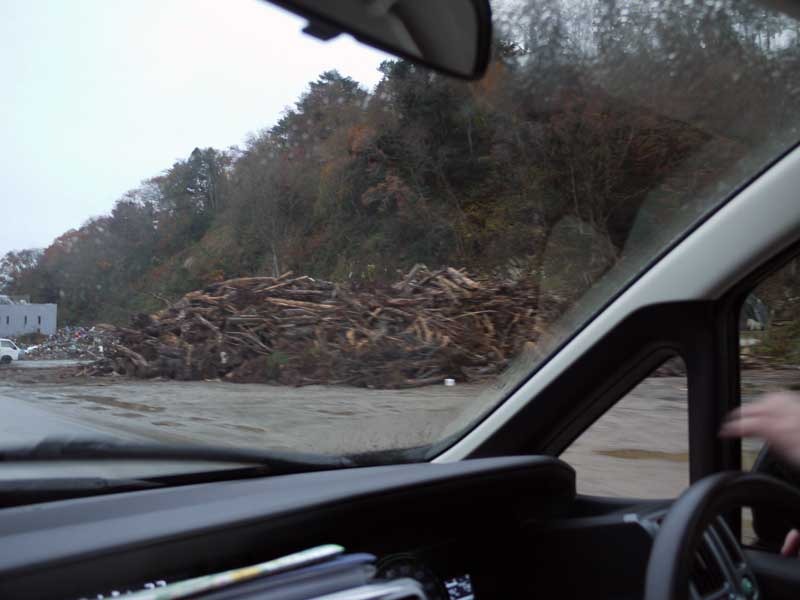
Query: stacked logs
{"type": "Point", "coordinates": [294, 330]}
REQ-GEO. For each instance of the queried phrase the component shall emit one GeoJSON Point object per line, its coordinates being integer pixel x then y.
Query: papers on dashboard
{"type": "Point", "coordinates": [319, 573]}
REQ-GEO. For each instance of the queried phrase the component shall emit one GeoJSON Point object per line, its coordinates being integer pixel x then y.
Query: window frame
{"type": "Point", "coordinates": [738, 296]}
{"type": "Point", "coordinates": [620, 399]}
{"type": "Point", "coordinates": [705, 333]}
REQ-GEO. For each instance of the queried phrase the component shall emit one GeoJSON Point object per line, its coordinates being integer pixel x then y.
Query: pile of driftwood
{"type": "Point", "coordinates": [299, 331]}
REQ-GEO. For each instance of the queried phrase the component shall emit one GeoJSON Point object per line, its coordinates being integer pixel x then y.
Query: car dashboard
{"type": "Point", "coordinates": [486, 528]}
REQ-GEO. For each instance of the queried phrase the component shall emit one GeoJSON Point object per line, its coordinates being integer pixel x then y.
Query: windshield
{"type": "Point", "coordinates": [219, 230]}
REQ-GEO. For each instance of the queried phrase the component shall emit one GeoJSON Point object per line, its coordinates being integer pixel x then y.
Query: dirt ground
{"type": "Point", "coordinates": [322, 419]}
{"type": "Point", "coordinates": [639, 448]}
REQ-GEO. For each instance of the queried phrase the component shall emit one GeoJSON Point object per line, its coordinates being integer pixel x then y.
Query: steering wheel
{"type": "Point", "coordinates": [687, 524]}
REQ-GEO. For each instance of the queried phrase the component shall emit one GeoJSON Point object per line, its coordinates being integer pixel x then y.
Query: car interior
{"type": "Point", "coordinates": [493, 512]}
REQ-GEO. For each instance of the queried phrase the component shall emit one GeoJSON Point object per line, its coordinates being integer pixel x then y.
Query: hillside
{"type": "Point", "coordinates": [593, 149]}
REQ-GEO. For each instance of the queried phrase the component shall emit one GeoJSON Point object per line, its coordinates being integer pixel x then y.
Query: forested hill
{"type": "Point", "coordinates": [582, 118]}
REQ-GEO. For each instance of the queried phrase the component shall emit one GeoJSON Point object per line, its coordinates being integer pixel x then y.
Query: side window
{"type": "Point", "coordinates": [640, 447]}
{"type": "Point", "coordinates": [769, 351]}
{"type": "Point", "coordinates": [769, 342]}
{"type": "Point", "coordinates": [5, 344]}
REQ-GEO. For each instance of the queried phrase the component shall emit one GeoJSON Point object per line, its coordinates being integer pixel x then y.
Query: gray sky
{"type": "Point", "coordinates": [98, 95]}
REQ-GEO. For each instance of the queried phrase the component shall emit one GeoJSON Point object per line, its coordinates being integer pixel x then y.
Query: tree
{"type": "Point", "coordinates": [17, 268]}
{"type": "Point", "coordinates": [600, 129]}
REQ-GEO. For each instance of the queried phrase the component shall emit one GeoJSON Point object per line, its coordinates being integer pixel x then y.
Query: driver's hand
{"type": "Point", "coordinates": [791, 545]}
{"type": "Point", "coordinates": [775, 418]}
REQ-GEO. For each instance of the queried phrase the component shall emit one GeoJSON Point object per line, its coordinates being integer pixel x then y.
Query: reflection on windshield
{"type": "Point", "coordinates": [402, 249]}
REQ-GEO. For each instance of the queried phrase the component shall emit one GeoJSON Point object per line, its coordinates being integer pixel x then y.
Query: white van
{"type": "Point", "coordinates": [8, 351]}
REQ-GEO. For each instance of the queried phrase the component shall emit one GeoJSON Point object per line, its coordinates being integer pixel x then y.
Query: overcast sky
{"type": "Point", "coordinates": [97, 95]}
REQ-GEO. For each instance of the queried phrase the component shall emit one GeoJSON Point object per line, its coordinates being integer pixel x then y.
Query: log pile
{"type": "Point", "coordinates": [294, 330]}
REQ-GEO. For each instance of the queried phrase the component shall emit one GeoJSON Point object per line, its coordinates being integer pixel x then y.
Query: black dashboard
{"type": "Point", "coordinates": [477, 529]}
{"type": "Point", "coordinates": [454, 526]}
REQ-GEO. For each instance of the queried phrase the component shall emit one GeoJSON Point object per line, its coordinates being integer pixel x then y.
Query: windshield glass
{"type": "Point", "coordinates": [220, 230]}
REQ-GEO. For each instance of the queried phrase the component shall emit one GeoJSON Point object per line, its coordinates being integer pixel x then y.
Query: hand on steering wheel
{"type": "Point", "coordinates": [776, 419]}
{"type": "Point", "coordinates": [791, 545]}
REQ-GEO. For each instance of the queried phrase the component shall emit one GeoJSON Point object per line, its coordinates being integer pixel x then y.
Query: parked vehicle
{"type": "Point", "coordinates": [8, 351]}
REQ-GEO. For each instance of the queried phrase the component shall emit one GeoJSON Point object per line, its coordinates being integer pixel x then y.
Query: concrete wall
{"type": "Point", "coordinates": [19, 319]}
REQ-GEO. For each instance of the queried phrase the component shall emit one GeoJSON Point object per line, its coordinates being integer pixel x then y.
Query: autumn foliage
{"type": "Point", "coordinates": [600, 131]}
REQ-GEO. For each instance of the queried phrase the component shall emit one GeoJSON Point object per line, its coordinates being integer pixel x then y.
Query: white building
{"type": "Point", "coordinates": [19, 319]}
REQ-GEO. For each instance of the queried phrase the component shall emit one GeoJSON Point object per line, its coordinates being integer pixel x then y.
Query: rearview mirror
{"type": "Point", "coordinates": [450, 36]}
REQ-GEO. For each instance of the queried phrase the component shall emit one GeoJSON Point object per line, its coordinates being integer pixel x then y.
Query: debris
{"type": "Point", "coordinates": [430, 326]}
{"type": "Point", "coordinates": [71, 343]}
